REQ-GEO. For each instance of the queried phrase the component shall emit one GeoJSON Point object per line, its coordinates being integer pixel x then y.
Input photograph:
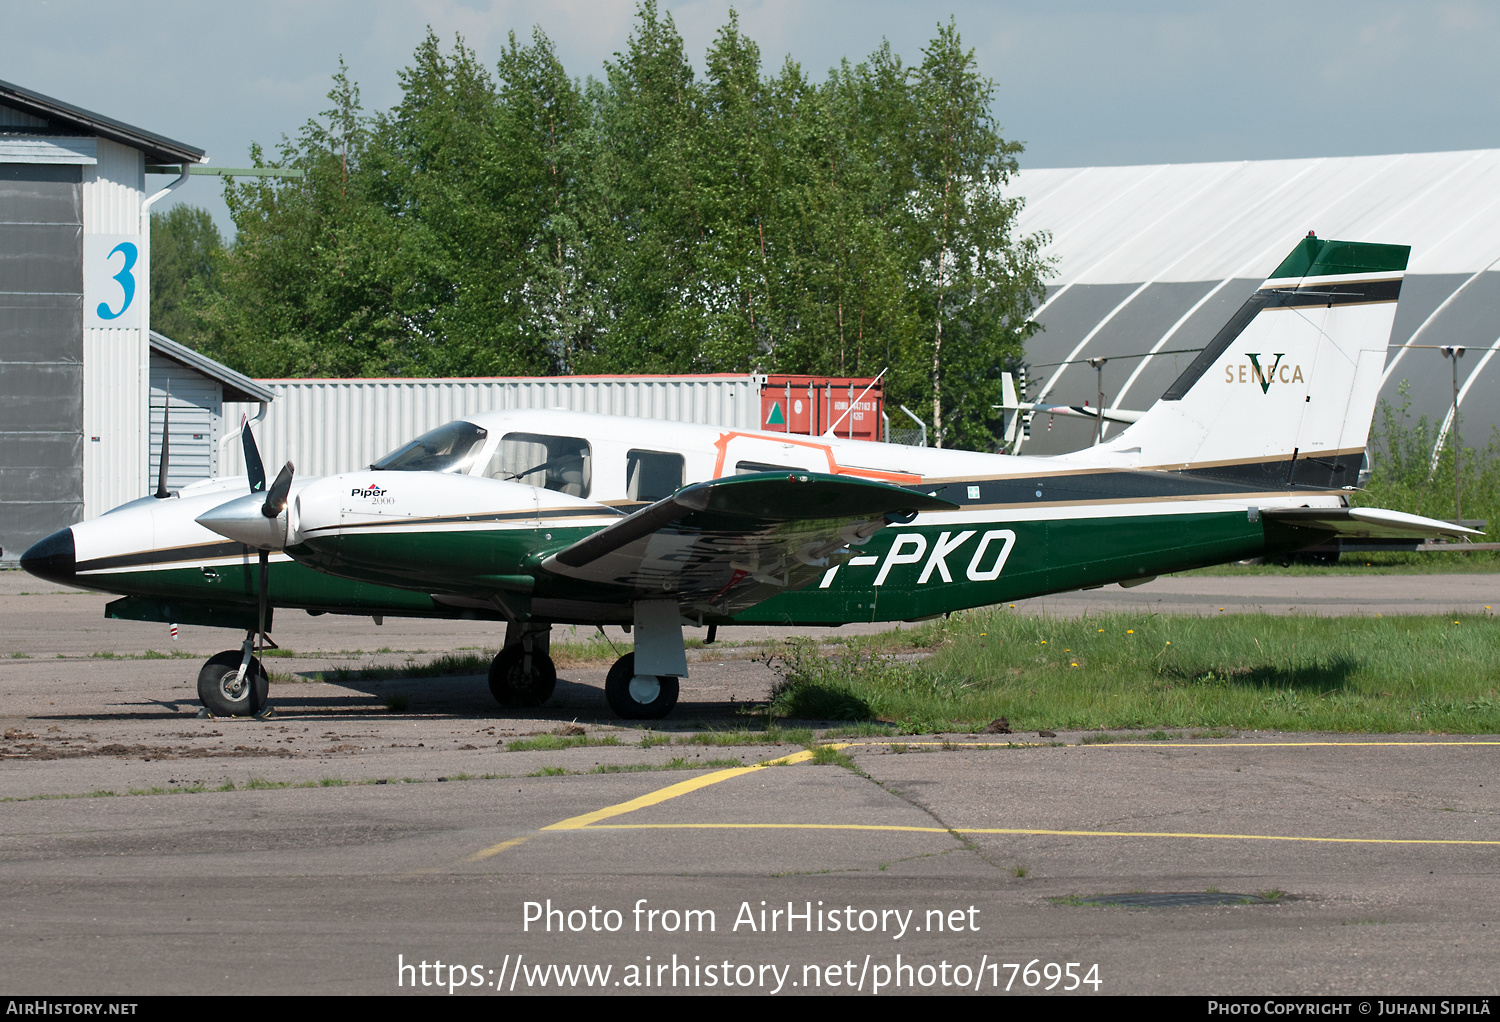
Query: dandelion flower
{"type": "Point", "coordinates": [1130, 631]}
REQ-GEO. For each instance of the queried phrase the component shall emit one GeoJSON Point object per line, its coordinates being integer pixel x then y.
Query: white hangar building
{"type": "Point", "coordinates": [1157, 258]}
{"type": "Point", "coordinates": [82, 378]}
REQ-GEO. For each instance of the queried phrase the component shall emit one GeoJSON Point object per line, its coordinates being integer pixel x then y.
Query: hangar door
{"type": "Point", "coordinates": [41, 352]}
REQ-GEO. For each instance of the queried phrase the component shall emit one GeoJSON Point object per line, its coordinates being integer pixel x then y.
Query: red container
{"type": "Point", "coordinates": [811, 404]}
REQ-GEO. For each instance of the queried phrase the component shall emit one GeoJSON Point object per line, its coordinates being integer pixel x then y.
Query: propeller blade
{"type": "Point", "coordinates": [254, 467]}
{"type": "Point", "coordinates": [166, 428]}
{"type": "Point", "coordinates": [277, 494]}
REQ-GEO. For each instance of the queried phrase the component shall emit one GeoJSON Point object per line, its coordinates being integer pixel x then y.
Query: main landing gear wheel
{"type": "Point", "coordinates": [513, 687]}
{"type": "Point", "coordinates": [224, 693]}
{"type": "Point", "coordinates": [638, 696]}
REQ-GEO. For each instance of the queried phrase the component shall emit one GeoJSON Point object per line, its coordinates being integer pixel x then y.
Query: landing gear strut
{"type": "Point", "coordinates": [522, 674]}
{"type": "Point", "coordinates": [233, 683]}
{"type": "Point", "coordinates": [643, 685]}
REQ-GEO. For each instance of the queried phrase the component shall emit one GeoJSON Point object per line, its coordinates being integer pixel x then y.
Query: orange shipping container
{"type": "Point", "coordinates": [811, 404]}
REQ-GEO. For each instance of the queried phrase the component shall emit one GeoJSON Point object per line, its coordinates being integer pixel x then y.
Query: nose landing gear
{"type": "Point", "coordinates": [233, 684]}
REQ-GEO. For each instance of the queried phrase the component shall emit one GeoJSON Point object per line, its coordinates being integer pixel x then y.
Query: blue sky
{"type": "Point", "coordinates": [1079, 83]}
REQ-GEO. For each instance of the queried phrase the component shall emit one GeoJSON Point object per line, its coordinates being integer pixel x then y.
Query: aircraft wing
{"type": "Point", "coordinates": [1365, 522]}
{"type": "Point", "coordinates": [730, 543]}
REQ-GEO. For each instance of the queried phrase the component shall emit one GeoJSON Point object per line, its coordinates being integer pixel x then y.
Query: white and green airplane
{"type": "Point", "coordinates": [537, 518]}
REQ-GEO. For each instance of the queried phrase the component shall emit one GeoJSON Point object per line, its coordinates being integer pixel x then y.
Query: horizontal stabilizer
{"type": "Point", "coordinates": [727, 544]}
{"type": "Point", "coordinates": [1366, 522]}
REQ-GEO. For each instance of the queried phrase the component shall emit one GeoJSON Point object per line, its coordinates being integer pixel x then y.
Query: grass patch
{"type": "Point", "coordinates": [864, 729]}
{"type": "Point", "coordinates": [447, 665]}
{"type": "Point", "coordinates": [47, 798]}
{"type": "Point", "coordinates": [553, 743]}
{"type": "Point", "coordinates": [649, 740]}
{"type": "Point", "coordinates": [1103, 738]}
{"type": "Point", "coordinates": [827, 755]}
{"type": "Point", "coordinates": [20, 656]}
{"type": "Point", "coordinates": [770, 736]}
{"type": "Point", "coordinates": [675, 763]}
{"type": "Point", "coordinates": [1209, 676]}
{"type": "Point", "coordinates": [592, 651]}
{"type": "Point", "coordinates": [397, 702]}
{"type": "Point", "coordinates": [550, 772]}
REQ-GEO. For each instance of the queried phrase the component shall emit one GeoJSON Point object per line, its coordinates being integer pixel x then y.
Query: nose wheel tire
{"type": "Point", "coordinates": [638, 696]}
{"type": "Point", "coordinates": [513, 686]}
{"type": "Point", "coordinates": [224, 693]}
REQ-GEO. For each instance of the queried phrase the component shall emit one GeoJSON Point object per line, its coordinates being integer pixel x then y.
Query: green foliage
{"type": "Point", "coordinates": [520, 222]}
{"type": "Point", "coordinates": [186, 252]}
{"type": "Point", "coordinates": [1405, 477]}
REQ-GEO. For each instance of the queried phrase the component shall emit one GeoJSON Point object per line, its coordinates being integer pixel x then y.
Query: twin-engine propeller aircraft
{"type": "Point", "coordinates": [537, 518]}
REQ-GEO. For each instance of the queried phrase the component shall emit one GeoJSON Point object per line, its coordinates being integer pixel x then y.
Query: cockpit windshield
{"type": "Point", "coordinates": [450, 448]}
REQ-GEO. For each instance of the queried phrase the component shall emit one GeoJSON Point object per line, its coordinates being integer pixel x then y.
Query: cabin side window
{"type": "Point", "coordinates": [560, 463]}
{"type": "Point", "coordinates": [652, 475]}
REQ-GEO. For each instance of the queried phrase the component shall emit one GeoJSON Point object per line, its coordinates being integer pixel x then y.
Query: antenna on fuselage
{"type": "Point", "coordinates": [166, 428]}
{"type": "Point", "coordinates": [861, 397]}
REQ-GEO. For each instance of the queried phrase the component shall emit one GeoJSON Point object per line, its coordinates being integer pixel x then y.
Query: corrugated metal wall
{"type": "Point", "coordinates": [197, 417]}
{"type": "Point", "coordinates": [329, 426]}
{"type": "Point", "coordinates": [41, 354]}
{"type": "Point", "coordinates": [116, 378]}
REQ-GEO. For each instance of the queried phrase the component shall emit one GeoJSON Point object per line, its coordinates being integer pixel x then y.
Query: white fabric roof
{"type": "Point", "coordinates": [1168, 251]}
{"type": "Point", "coordinates": [1208, 221]}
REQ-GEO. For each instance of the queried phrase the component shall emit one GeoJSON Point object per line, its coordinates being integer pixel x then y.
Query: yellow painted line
{"type": "Point", "coordinates": [672, 791]}
{"type": "Point", "coordinates": [1162, 745]}
{"type": "Point", "coordinates": [1037, 832]}
{"type": "Point", "coordinates": [497, 849]}
{"type": "Point", "coordinates": [1270, 745]}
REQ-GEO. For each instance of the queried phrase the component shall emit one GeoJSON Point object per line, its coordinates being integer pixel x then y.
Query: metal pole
{"type": "Point", "coordinates": [1455, 353]}
{"type": "Point", "coordinates": [1098, 364]}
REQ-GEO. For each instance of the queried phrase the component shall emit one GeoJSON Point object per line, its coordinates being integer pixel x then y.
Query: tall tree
{"type": "Point", "coordinates": [976, 284]}
{"type": "Point", "coordinates": [649, 237]}
{"type": "Point", "coordinates": [186, 249]}
{"type": "Point", "coordinates": [514, 222]}
{"type": "Point", "coordinates": [546, 133]}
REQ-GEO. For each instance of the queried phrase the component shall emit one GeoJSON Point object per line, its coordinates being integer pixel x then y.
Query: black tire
{"type": "Point", "coordinates": [512, 687]}
{"type": "Point", "coordinates": [627, 704]}
{"type": "Point", "coordinates": [219, 693]}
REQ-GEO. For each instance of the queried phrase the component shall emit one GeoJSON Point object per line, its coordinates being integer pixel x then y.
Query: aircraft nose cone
{"type": "Point", "coordinates": [54, 558]}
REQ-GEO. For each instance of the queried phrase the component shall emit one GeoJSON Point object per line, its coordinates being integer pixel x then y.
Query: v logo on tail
{"type": "Point", "coordinates": [1267, 377]}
